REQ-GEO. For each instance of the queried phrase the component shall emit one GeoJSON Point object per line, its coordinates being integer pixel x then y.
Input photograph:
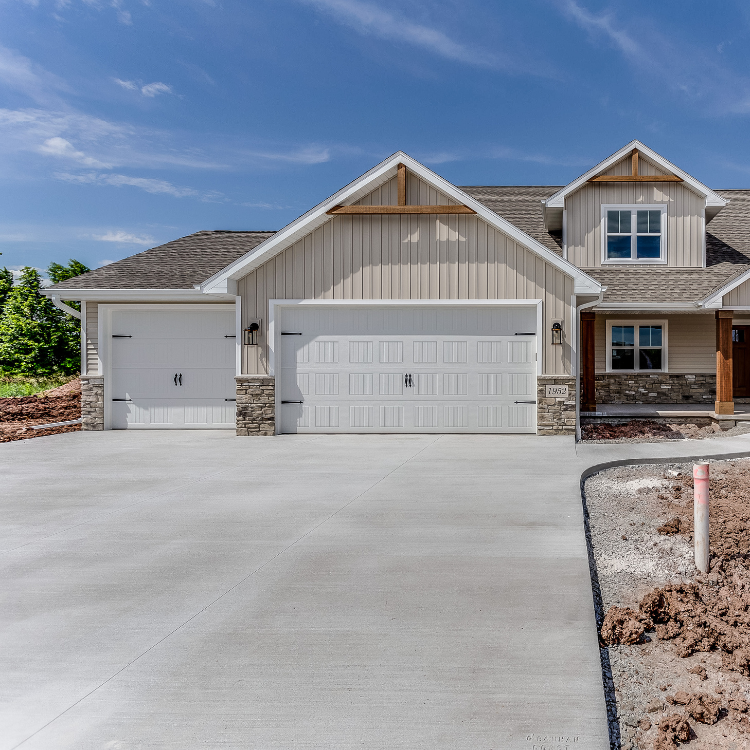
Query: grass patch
{"type": "Point", "coordinates": [18, 385]}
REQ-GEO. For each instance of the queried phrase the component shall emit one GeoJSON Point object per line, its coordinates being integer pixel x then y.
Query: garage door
{"type": "Point", "coordinates": [172, 369]}
{"type": "Point", "coordinates": [407, 369]}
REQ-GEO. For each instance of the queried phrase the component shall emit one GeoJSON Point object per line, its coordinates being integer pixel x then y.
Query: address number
{"type": "Point", "coordinates": [556, 390]}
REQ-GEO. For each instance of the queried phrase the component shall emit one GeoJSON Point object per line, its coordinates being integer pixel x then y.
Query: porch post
{"type": "Point", "coordinates": [724, 394]}
{"type": "Point", "coordinates": [588, 361]}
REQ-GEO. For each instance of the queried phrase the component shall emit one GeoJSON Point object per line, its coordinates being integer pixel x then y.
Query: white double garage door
{"type": "Point", "coordinates": [339, 368]}
{"type": "Point", "coordinates": [411, 368]}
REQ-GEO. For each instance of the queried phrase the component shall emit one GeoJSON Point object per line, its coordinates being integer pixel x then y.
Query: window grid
{"type": "Point", "coordinates": [633, 234]}
{"type": "Point", "coordinates": [637, 347]}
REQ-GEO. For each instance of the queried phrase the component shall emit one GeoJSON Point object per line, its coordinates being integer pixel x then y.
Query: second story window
{"type": "Point", "coordinates": [634, 234]}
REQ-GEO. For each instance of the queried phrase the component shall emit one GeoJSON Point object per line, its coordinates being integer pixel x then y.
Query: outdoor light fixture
{"type": "Point", "coordinates": [557, 332]}
{"type": "Point", "coordinates": [250, 337]}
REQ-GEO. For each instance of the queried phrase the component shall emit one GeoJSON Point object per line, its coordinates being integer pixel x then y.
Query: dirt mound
{"type": "Point", "coordinates": [637, 428]}
{"type": "Point", "coordinates": [18, 415]}
{"type": "Point", "coordinates": [671, 527]}
{"type": "Point", "coordinates": [672, 730]}
{"type": "Point", "coordinates": [623, 625]}
{"type": "Point", "coordinates": [72, 386]}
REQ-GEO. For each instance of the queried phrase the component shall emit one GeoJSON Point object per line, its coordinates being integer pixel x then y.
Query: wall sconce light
{"type": "Point", "coordinates": [557, 332]}
{"type": "Point", "coordinates": [250, 334]}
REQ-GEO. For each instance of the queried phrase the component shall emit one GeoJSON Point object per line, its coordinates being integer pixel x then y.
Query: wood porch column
{"type": "Point", "coordinates": [724, 393]}
{"type": "Point", "coordinates": [588, 361]}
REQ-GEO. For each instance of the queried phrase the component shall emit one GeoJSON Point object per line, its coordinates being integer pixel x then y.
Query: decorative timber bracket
{"type": "Point", "coordinates": [402, 208]}
{"type": "Point", "coordinates": [634, 176]}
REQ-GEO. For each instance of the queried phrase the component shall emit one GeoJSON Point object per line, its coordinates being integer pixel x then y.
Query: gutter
{"type": "Point", "coordinates": [579, 308]}
{"type": "Point", "coordinates": [60, 305]}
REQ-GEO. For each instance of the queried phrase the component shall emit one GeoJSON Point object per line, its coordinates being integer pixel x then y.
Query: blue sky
{"type": "Point", "coordinates": [128, 123]}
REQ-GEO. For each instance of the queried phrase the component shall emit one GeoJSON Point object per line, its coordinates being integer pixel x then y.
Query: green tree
{"type": "Point", "coordinates": [6, 284]}
{"type": "Point", "coordinates": [35, 337]}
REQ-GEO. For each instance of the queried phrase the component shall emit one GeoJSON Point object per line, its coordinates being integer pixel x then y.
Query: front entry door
{"type": "Point", "coordinates": [741, 361]}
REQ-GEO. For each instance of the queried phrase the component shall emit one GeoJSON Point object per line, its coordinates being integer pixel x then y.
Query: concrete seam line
{"type": "Point", "coordinates": [122, 508]}
{"type": "Point", "coordinates": [228, 591]}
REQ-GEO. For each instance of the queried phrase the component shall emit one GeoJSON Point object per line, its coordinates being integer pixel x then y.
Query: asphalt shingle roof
{"type": "Point", "coordinates": [190, 260]}
{"type": "Point", "coordinates": [175, 265]}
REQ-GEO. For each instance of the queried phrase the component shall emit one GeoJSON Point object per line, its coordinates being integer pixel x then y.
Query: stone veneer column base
{"type": "Point", "coordinates": [92, 402]}
{"type": "Point", "coordinates": [256, 405]}
{"type": "Point", "coordinates": [555, 415]}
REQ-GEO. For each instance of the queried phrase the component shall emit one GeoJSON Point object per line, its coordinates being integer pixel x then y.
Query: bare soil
{"type": "Point", "coordinates": [651, 431]}
{"type": "Point", "coordinates": [675, 642]}
{"type": "Point", "coordinates": [19, 414]}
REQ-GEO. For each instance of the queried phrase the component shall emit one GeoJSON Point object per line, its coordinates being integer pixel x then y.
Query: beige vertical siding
{"type": "Point", "coordinates": [738, 297]}
{"type": "Point", "coordinates": [691, 341]}
{"type": "Point", "coordinates": [92, 338]}
{"type": "Point", "coordinates": [685, 209]}
{"type": "Point", "coordinates": [408, 257]}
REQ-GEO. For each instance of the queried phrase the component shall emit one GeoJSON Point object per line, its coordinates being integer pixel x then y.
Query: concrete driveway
{"type": "Point", "coordinates": [193, 589]}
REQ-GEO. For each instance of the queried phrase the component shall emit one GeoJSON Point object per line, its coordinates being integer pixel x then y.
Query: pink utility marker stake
{"type": "Point", "coordinates": [700, 515]}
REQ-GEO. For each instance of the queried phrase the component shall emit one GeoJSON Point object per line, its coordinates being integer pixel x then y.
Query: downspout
{"type": "Point", "coordinates": [60, 305]}
{"type": "Point", "coordinates": [579, 308]}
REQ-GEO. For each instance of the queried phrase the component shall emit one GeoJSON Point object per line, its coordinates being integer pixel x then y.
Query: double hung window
{"type": "Point", "coordinates": [634, 234]}
{"type": "Point", "coordinates": [634, 346]}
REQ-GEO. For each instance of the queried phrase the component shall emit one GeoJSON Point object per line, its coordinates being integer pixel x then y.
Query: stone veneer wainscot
{"type": "Point", "coordinates": [256, 405]}
{"type": "Point", "coordinates": [555, 416]}
{"type": "Point", "coordinates": [92, 402]}
{"type": "Point", "coordinates": [655, 388]}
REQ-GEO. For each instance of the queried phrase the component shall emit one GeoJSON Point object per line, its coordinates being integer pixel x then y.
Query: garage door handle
{"type": "Point", "coordinates": [524, 402]}
{"type": "Point", "coordinates": [292, 402]}
{"type": "Point", "coordinates": [129, 400]}
{"type": "Point", "coordinates": [230, 399]}
{"type": "Point", "coordinates": [530, 333]}
{"type": "Point", "coordinates": [121, 336]}
{"type": "Point", "coordinates": [180, 378]}
{"type": "Point", "coordinates": [175, 378]}
{"type": "Point", "coordinates": [230, 337]}
{"type": "Point", "coordinates": [291, 333]}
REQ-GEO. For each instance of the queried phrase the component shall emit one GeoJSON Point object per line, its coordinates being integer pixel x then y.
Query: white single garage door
{"type": "Point", "coordinates": [172, 369]}
{"type": "Point", "coordinates": [406, 369]}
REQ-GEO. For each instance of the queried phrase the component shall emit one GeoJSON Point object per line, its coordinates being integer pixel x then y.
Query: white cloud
{"type": "Point", "coordinates": [21, 74]}
{"type": "Point", "coordinates": [148, 184]}
{"type": "Point", "coordinates": [130, 85]}
{"type": "Point", "coordinates": [692, 73]}
{"type": "Point", "coordinates": [125, 238]}
{"type": "Point", "coordinates": [152, 89]}
{"type": "Point", "coordinates": [375, 21]}
{"type": "Point", "coordinates": [61, 148]}
{"type": "Point", "coordinates": [306, 155]}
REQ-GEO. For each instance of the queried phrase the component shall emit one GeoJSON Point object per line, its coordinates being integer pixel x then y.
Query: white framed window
{"type": "Point", "coordinates": [636, 346]}
{"type": "Point", "coordinates": [634, 233]}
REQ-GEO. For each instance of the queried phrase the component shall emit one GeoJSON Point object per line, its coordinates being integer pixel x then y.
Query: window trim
{"type": "Point", "coordinates": [633, 207]}
{"type": "Point", "coordinates": [636, 322]}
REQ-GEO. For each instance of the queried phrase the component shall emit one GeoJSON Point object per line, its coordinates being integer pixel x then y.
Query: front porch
{"type": "Point", "coordinates": [612, 394]}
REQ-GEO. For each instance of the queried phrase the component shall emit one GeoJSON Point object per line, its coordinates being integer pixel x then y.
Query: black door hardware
{"type": "Point", "coordinates": [230, 337]}
{"type": "Point", "coordinates": [175, 378]}
{"type": "Point", "coordinates": [292, 402]}
{"type": "Point", "coordinates": [530, 333]}
{"type": "Point", "coordinates": [121, 336]}
{"type": "Point", "coordinates": [291, 333]}
{"type": "Point", "coordinates": [180, 378]}
{"type": "Point", "coordinates": [129, 400]}
{"type": "Point", "coordinates": [524, 402]}
{"type": "Point", "coordinates": [408, 382]}
{"type": "Point", "coordinates": [230, 399]}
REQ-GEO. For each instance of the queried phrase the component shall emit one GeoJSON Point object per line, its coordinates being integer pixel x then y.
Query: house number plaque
{"type": "Point", "coordinates": [553, 391]}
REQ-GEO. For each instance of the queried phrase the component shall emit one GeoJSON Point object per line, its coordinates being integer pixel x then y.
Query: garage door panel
{"type": "Point", "coordinates": [175, 371]}
{"type": "Point", "coordinates": [408, 370]}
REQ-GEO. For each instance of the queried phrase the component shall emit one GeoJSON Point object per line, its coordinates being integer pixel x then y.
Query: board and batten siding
{"type": "Point", "coordinates": [685, 216]}
{"type": "Point", "coordinates": [408, 257]}
{"type": "Point", "coordinates": [738, 297]}
{"type": "Point", "coordinates": [92, 338]}
{"type": "Point", "coordinates": [691, 341]}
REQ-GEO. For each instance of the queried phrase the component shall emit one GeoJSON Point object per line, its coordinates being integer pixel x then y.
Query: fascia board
{"type": "Point", "coordinates": [133, 295]}
{"type": "Point", "coordinates": [384, 171]}
{"type": "Point", "coordinates": [712, 199]}
{"type": "Point", "coordinates": [715, 298]}
{"type": "Point", "coordinates": [692, 306]}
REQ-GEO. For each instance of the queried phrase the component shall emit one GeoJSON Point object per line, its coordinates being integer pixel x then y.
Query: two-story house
{"type": "Point", "coordinates": [406, 304]}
